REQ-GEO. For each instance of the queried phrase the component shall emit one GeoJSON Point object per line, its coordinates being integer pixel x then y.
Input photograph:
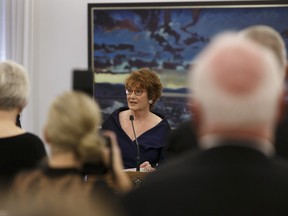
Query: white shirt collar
{"type": "Point", "coordinates": [213, 140]}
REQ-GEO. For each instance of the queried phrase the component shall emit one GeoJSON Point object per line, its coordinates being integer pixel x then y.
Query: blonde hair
{"type": "Point", "coordinates": [72, 125]}
{"type": "Point", "coordinates": [14, 86]}
{"type": "Point", "coordinates": [270, 38]}
{"type": "Point", "coordinates": [235, 110]}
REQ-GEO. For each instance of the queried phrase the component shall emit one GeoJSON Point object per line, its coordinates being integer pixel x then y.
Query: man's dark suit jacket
{"type": "Point", "coordinates": [181, 140]}
{"type": "Point", "coordinates": [281, 136]}
{"type": "Point", "coordinates": [226, 180]}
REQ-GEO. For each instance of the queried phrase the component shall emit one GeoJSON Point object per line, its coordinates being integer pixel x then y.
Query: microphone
{"type": "Point", "coordinates": [137, 144]}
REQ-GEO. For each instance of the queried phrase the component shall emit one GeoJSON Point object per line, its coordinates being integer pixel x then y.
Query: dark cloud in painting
{"type": "Point", "coordinates": [169, 35]}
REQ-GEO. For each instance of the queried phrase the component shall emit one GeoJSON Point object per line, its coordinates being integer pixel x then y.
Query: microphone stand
{"type": "Point", "coordinates": [137, 145]}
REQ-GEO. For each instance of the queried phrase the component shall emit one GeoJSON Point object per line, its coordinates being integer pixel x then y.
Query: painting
{"type": "Point", "coordinates": [165, 37]}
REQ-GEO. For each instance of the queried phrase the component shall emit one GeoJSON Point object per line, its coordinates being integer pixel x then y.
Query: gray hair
{"type": "Point", "coordinates": [72, 125]}
{"type": "Point", "coordinates": [223, 107]}
{"type": "Point", "coordinates": [14, 86]}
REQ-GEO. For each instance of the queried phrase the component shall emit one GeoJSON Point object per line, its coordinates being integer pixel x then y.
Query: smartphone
{"type": "Point", "coordinates": [83, 80]}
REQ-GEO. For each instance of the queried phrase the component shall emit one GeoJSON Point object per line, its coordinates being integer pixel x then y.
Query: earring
{"type": "Point", "coordinates": [150, 101]}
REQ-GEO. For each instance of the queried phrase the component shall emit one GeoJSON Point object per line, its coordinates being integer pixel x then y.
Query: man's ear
{"type": "Point", "coordinates": [195, 109]}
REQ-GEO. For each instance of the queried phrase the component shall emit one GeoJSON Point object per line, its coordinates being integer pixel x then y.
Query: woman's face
{"type": "Point", "coordinates": [137, 98]}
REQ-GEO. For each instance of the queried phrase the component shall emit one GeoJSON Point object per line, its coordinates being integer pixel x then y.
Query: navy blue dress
{"type": "Point", "coordinates": [151, 142]}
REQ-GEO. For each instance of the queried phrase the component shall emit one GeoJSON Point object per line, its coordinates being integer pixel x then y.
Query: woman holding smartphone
{"type": "Point", "coordinates": [73, 137]}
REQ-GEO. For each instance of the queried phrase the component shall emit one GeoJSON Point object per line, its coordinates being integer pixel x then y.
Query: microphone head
{"type": "Point", "coordinates": [131, 118]}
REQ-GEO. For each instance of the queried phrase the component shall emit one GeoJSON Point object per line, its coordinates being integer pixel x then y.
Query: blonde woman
{"type": "Point", "coordinates": [72, 133]}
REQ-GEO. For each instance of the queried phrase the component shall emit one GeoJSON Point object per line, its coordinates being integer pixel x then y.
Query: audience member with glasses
{"type": "Point", "coordinates": [143, 89]}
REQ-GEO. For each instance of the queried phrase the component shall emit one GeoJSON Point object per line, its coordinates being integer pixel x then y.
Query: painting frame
{"type": "Point", "coordinates": [175, 114]}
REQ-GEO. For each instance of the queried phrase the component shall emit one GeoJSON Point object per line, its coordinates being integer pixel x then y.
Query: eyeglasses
{"type": "Point", "coordinates": [137, 92]}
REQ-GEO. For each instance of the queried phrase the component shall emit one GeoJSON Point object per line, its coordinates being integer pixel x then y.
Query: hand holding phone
{"type": "Point", "coordinates": [119, 176]}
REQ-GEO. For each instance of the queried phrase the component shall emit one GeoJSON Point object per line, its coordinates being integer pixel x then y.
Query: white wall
{"type": "Point", "coordinates": [60, 45]}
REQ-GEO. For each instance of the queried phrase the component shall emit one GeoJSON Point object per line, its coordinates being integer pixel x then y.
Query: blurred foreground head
{"type": "Point", "coordinates": [271, 39]}
{"type": "Point", "coordinates": [73, 124]}
{"type": "Point", "coordinates": [236, 88]}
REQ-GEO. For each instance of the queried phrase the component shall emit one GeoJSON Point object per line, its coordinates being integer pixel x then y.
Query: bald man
{"type": "Point", "coordinates": [237, 94]}
{"type": "Point", "coordinates": [270, 38]}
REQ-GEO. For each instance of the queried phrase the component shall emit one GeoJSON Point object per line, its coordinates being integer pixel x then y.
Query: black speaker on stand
{"type": "Point", "coordinates": [83, 80]}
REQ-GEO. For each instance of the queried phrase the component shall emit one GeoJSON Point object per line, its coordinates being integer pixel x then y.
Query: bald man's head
{"type": "Point", "coordinates": [237, 70]}
{"type": "Point", "coordinates": [236, 82]}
